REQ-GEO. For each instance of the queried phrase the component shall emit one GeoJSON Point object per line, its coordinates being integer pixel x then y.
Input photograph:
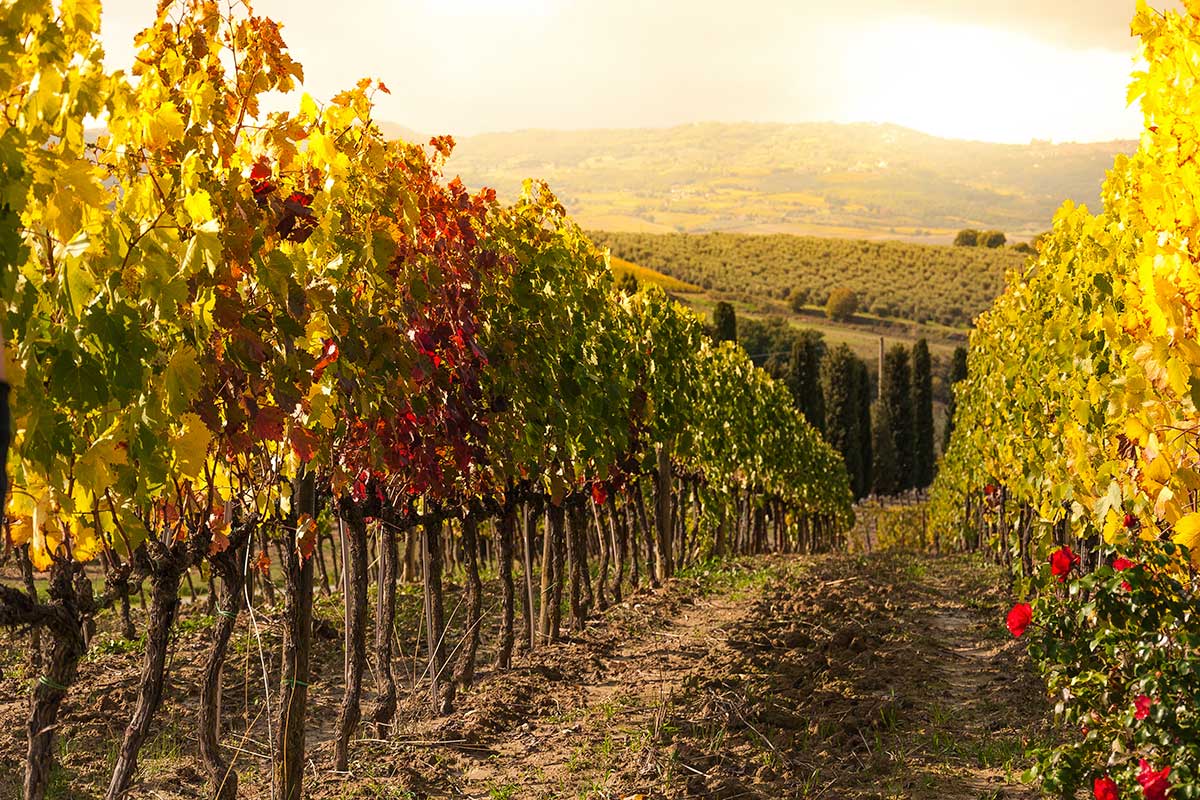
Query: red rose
{"type": "Point", "coordinates": [1105, 789]}
{"type": "Point", "coordinates": [1120, 564]}
{"type": "Point", "coordinates": [599, 494]}
{"type": "Point", "coordinates": [1019, 618]}
{"type": "Point", "coordinates": [1155, 785]}
{"type": "Point", "coordinates": [1142, 704]}
{"type": "Point", "coordinates": [1062, 561]}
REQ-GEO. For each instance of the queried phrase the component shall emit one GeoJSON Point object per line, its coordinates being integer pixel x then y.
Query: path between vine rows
{"type": "Point", "coordinates": [889, 676]}
{"type": "Point", "coordinates": [837, 677]}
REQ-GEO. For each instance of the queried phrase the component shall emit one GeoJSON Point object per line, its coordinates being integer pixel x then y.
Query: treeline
{"type": "Point", "coordinates": [885, 434]}
{"type": "Point", "coordinates": [925, 283]}
{"type": "Point", "coordinates": [969, 237]}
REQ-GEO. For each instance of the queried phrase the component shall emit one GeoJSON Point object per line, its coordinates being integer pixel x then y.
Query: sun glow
{"type": "Point", "coordinates": [470, 66]}
{"type": "Point", "coordinates": [969, 82]}
{"type": "Point", "coordinates": [490, 8]}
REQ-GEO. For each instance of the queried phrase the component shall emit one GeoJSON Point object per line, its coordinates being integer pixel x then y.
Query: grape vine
{"type": "Point", "coordinates": [236, 331]}
{"type": "Point", "coordinates": [1074, 457]}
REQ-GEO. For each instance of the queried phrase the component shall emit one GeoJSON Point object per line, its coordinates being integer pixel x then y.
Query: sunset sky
{"type": "Point", "coordinates": [998, 71]}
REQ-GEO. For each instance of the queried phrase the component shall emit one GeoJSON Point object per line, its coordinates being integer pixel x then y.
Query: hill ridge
{"type": "Point", "coordinates": [864, 180]}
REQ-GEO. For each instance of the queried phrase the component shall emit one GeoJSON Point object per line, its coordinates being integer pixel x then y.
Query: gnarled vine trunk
{"type": "Point", "coordinates": [606, 541]}
{"type": "Point", "coordinates": [546, 596]}
{"type": "Point", "coordinates": [504, 533]}
{"type": "Point", "coordinates": [558, 523]}
{"type": "Point", "coordinates": [464, 669]}
{"type": "Point", "coordinates": [528, 534]}
{"type": "Point", "coordinates": [297, 641]}
{"type": "Point", "coordinates": [226, 567]}
{"type": "Point", "coordinates": [64, 618]}
{"type": "Point", "coordinates": [165, 578]}
{"type": "Point", "coordinates": [652, 561]}
{"type": "Point", "coordinates": [431, 557]}
{"type": "Point", "coordinates": [384, 709]}
{"type": "Point", "coordinates": [349, 712]}
{"type": "Point", "coordinates": [663, 516]}
{"type": "Point", "coordinates": [617, 523]}
{"type": "Point", "coordinates": [575, 566]}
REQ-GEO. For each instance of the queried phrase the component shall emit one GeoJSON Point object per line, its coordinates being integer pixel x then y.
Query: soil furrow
{"type": "Point", "coordinates": [888, 676]}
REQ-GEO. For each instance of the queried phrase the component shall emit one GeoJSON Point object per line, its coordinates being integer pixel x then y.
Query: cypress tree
{"type": "Point", "coordinates": [846, 385]}
{"type": "Point", "coordinates": [885, 473]}
{"type": "Point", "coordinates": [922, 402]}
{"type": "Point", "coordinates": [839, 384]}
{"type": "Point", "coordinates": [865, 397]}
{"type": "Point", "coordinates": [804, 377]}
{"type": "Point", "coordinates": [897, 401]}
{"type": "Point", "coordinates": [725, 322]}
{"type": "Point", "coordinates": [958, 372]}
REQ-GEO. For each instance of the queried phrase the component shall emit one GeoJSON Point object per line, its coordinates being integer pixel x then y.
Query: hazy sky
{"type": "Point", "coordinates": [998, 70]}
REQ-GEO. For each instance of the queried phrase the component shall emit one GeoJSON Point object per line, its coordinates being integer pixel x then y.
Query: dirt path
{"type": "Point", "coordinates": [622, 713]}
{"type": "Point", "coordinates": [881, 677]}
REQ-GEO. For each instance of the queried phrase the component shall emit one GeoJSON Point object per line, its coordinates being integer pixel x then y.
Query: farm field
{"type": "Point", "coordinates": [942, 285]}
{"type": "Point", "coordinates": [861, 333]}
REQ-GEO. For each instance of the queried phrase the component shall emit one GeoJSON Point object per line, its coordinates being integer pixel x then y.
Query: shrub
{"type": "Point", "coordinates": [1113, 643]}
{"type": "Point", "coordinates": [842, 304]}
{"type": "Point", "coordinates": [992, 239]}
{"type": "Point", "coordinates": [968, 237]}
{"type": "Point", "coordinates": [725, 322]}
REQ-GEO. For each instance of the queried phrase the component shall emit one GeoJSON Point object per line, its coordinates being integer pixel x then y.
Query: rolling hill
{"type": "Point", "coordinates": [857, 181]}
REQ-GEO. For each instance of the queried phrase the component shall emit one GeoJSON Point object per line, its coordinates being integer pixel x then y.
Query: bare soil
{"type": "Point", "coordinates": [885, 676]}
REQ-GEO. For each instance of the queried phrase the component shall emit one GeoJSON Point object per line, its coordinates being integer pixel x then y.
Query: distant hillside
{"type": "Point", "coordinates": [867, 181]}
{"type": "Point", "coordinates": [391, 130]}
{"type": "Point", "coordinates": [894, 280]}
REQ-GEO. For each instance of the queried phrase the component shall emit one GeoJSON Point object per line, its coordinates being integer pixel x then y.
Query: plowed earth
{"type": "Point", "coordinates": [885, 676]}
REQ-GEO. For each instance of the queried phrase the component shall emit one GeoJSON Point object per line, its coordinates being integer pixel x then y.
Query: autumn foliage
{"type": "Point", "coordinates": [1074, 453]}
{"type": "Point", "coordinates": [230, 327]}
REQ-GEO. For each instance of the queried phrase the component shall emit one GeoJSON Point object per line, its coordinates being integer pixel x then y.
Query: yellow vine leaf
{"type": "Point", "coordinates": [93, 470]}
{"type": "Point", "coordinates": [191, 446]}
{"type": "Point", "coordinates": [182, 380]}
{"type": "Point", "coordinates": [45, 536]}
{"type": "Point", "coordinates": [163, 126]}
{"type": "Point", "coordinates": [20, 531]}
{"type": "Point", "coordinates": [77, 188]}
{"type": "Point", "coordinates": [198, 204]}
{"type": "Point", "coordinates": [1187, 533]}
{"type": "Point", "coordinates": [86, 541]}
